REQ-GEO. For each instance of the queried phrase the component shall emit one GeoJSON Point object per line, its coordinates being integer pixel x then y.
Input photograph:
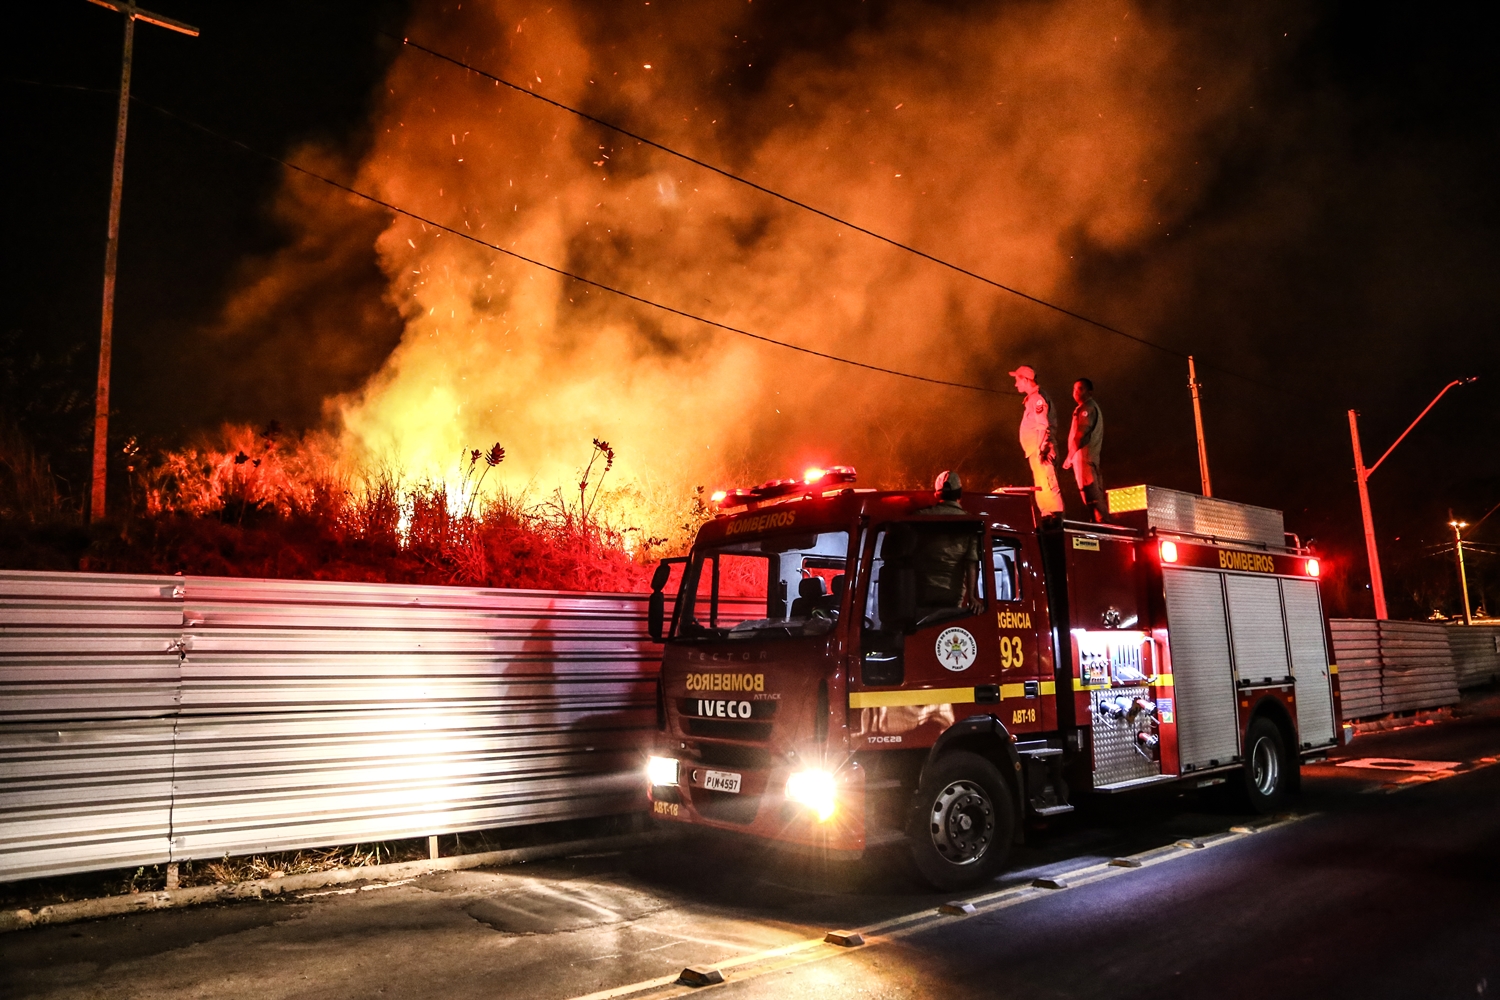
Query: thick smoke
{"type": "Point", "coordinates": [1011, 139]}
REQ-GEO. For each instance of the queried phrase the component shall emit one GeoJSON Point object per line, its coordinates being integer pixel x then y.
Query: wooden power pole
{"type": "Point", "coordinates": [112, 241]}
{"type": "Point", "coordinates": [1208, 485]}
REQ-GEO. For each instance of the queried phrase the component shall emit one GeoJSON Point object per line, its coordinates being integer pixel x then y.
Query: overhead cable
{"type": "Point", "coordinates": [771, 192]}
{"type": "Point", "coordinates": [563, 272]}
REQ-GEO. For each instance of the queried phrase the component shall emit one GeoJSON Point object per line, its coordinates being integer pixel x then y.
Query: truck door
{"type": "Point", "coordinates": [1024, 678]}
{"type": "Point", "coordinates": [929, 651]}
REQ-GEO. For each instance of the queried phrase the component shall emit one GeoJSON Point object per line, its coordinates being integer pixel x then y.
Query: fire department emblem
{"type": "Point", "coordinates": [956, 649]}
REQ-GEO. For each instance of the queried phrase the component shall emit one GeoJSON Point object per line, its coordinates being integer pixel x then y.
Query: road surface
{"type": "Point", "coordinates": [1381, 881]}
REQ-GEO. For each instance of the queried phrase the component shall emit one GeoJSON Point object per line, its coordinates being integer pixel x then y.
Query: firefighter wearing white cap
{"type": "Point", "coordinates": [1037, 441]}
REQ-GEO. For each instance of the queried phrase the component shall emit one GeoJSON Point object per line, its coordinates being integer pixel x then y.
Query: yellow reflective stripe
{"type": "Point", "coordinates": [1333, 668]}
{"type": "Point", "coordinates": [1019, 690]}
{"type": "Point", "coordinates": [1163, 680]}
{"type": "Point", "coordinates": [1078, 685]}
{"type": "Point", "coordinates": [892, 699]}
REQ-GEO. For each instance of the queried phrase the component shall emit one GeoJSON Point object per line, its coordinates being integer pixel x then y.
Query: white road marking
{"type": "Point", "coordinates": [353, 889]}
{"type": "Point", "coordinates": [1398, 764]}
{"type": "Point", "coordinates": [816, 949]}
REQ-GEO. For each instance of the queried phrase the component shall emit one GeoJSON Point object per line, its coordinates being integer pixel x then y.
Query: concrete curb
{"type": "Point", "coordinates": [171, 899]}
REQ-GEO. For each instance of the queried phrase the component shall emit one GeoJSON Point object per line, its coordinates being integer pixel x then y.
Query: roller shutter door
{"type": "Point", "coordinates": [1197, 632]}
{"type": "Point", "coordinates": [1304, 629]}
{"type": "Point", "coordinates": [1255, 629]}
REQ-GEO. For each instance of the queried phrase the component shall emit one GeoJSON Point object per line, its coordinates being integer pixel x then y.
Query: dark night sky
{"type": "Point", "coordinates": [1347, 250]}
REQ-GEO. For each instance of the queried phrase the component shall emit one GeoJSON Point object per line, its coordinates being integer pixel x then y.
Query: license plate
{"type": "Point", "coordinates": [721, 781]}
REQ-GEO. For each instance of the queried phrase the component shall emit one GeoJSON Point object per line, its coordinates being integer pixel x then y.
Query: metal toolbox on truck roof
{"type": "Point", "coordinates": [1190, 514]}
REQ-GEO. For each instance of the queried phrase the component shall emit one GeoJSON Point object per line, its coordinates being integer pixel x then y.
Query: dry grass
{"type": "Point", "coordinates": [253, 504]}
{"type": "Point", "coordinates": [230, 870]}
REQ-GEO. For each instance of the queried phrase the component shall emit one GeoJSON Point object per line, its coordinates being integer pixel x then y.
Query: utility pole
{"type": "Point", "coordinates": [1463, 577]}
{"type": "Point", "coordinates": [112, 240]}
{"type": "Point", "coordinates": [1208, 486]}
{"type": "Point", "coordinates": [1362, 476]}
{"type": "Point", "coordinates": [1372, 552]}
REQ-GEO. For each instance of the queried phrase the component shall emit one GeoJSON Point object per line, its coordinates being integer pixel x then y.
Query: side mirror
{"type": "Point", "coordinates": [656, 615]}
{"type": "Point", "coordinates": [656, 605]}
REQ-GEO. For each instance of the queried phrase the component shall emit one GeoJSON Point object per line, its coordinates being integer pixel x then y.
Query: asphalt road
{"type": "Point", "coordinates": [1380, 882]}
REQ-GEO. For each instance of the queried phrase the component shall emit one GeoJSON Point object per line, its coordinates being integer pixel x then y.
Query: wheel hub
{"type": "Point", "coordinates": [962, 822]}
{"type": "Point", "coordinates": [1265, 766]}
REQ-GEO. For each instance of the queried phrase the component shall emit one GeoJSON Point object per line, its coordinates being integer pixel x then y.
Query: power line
{"type": "Point", "coordinates": [771, 192]}
{"type": "Point", "coordinates": [571, 275]}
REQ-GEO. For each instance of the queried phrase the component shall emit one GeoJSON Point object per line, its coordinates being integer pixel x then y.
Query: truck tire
{"type": "Point", "coordinates": [1268, 769]}
{"type": "Point", "coordinates": [963, 822]}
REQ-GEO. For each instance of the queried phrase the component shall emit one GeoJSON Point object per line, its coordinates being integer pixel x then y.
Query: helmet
{"type": "Point", "coordinates": [948, 486]}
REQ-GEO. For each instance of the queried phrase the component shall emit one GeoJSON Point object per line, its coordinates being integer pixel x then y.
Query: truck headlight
{"type": "Point", "coordinates": [662, 770]}
{"type": "Point", "coordinates": [813, 789]}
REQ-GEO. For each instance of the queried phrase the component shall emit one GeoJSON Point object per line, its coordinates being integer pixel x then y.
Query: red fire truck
{"type": "Point", "coordinates": [846, 669]}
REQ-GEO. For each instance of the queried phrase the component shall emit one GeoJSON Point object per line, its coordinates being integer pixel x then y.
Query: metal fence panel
{"type": "Point", "coordinates": [1356, 648]}
{"type": "Point", "coordinates": [149, 720]}
{"type": "Point", "coordinates": [1476, 653]}
{"type": "Point", "coordinates": [1387, 666]}
{"type": "Point", "coordinates": [89, 679]}
{"type": "Point", "coordinates": [1416, 668]}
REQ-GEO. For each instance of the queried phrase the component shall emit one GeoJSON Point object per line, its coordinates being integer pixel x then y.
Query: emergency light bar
{"type": "Point", "coordinates": [771, 489]}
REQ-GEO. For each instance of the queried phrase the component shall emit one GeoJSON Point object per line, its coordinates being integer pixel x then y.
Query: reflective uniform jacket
{"type": "Point", "coordinates": [1036, 423]}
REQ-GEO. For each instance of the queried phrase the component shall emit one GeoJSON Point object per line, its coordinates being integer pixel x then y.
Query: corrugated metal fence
{"type": "Point", "coordinates": [1390, 666]}
{"type": "Point", "coordinates": [152, 719]}
{"type": "Point", "coordinates": [1476, 653]}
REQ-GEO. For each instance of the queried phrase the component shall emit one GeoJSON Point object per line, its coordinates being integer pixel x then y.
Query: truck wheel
{"type": "Point", "coordinates": [964, 821]}
{"type": "Point", "coordinates": [1268, 772]}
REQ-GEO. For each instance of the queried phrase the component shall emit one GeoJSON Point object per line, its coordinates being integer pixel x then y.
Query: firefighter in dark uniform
{"type": "Point", "coordinates": [948, 561]}
{"type": "Point", "coordinates": [1085, 442]}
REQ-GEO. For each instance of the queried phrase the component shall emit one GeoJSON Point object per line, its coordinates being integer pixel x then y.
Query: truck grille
{"type": "Point", "coordinates": [733, 755]}
{"type": "Point", "coordinates": [726, 807]}
{"type": "Point", "coordinates": [725, 729]}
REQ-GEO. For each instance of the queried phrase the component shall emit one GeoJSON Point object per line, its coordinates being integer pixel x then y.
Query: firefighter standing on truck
{"type": "Point", "coordinates": [1085, 442]}
{"type": "Point", "coordinates": [1037, 441]}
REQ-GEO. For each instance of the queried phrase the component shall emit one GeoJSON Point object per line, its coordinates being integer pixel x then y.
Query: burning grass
{"type": "Point", "coordinates": [253, 504]}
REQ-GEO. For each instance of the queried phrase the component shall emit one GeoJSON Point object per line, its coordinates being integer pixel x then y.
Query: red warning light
{"type": "Point", "coordinates": [1168, 551]}
{"type": "Point", "coordinates": [1314, 567]}
{"type": "Point", "coordinates": [813, 474]}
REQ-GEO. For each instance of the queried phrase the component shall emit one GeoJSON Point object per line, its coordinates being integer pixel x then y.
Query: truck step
{"type": "Point", "coordinates": [1042, 752]}
{"type": "Point", "coordinates": [1053, 810]}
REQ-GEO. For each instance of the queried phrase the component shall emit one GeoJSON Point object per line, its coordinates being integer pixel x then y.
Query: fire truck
{"type": "Point", "coordinates": [848, 669]}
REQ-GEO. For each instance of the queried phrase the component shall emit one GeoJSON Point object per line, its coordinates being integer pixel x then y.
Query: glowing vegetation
{"type": "Point", "coordinates": [252, 504]}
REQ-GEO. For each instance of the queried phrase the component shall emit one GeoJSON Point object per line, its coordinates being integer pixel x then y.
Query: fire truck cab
{"type": "Point", "coordinates": [846, 669]}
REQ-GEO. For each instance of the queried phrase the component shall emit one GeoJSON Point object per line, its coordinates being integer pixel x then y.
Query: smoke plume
{"type": "Point", "coordinates": [1011, 139]}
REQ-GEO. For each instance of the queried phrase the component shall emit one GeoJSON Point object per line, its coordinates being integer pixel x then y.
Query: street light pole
{"type": "Point", "coordinates": [1362, 476]}
{"type": "Point", "coordinates": [1463, 577]}
{"type": "Point", "coordinates": [1208, 486]}
{"type": "Point", "coordinates": [112, 240]}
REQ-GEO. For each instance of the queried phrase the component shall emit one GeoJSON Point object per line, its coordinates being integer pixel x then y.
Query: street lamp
{"type": "Point", "coordinates": [1362, 476]}
{"type": "Point", "coordinates": [1463, 577]}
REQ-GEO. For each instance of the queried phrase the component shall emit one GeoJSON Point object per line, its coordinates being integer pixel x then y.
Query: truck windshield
{"type": "Point", "coordinates": [775, 586]}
